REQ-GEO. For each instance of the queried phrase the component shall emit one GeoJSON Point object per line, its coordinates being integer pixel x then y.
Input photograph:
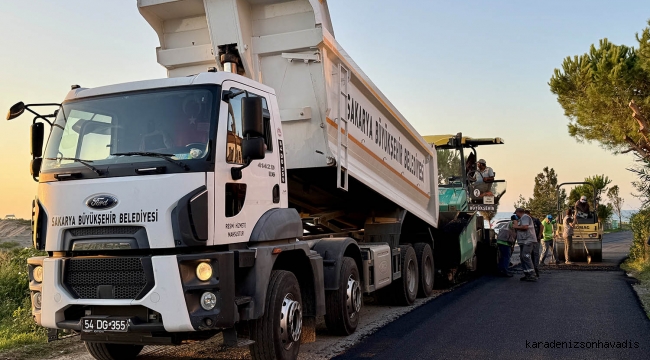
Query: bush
{"type": "Point", "coordinates": [16, 324]}
{"type": "Point", "coordinates": [640, 225]}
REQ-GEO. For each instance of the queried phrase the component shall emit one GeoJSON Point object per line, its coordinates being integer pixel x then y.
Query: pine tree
{"type": "Point", "coordinates": [617, 202]}
{"type": "Point", "coordinates": [545, 198]}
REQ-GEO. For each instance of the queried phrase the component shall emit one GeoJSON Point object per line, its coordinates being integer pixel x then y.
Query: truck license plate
{"type": "Point", "coordinates": [105, 325]}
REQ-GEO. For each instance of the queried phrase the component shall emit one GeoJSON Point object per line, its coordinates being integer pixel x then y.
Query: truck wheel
{"type": "Point", "coordinates": [343, 305]}
{"type": "Point", "coordinates": [425, 261]}
{"type": "Point", "coordinates": [405, 289]}
{"type": "Point", "coordinates": [277, 332]}
{"type": "Point", "coordinates": [103, 351]}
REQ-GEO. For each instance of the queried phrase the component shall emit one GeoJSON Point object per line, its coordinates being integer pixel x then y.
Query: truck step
{"type": "Point", "coordinates": [241, 343]}
{"type": "Point", "coordinates": [242, 300]}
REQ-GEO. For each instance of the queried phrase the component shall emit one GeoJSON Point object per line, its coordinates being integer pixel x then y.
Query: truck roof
{"type": "Point", "coordinates": [198, 79]}
{"type": "Point", "coordinates": [447, 141]}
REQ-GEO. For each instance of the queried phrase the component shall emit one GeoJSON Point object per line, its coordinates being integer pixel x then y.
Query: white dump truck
{"type": "Point", "coordinates": [265, 183]}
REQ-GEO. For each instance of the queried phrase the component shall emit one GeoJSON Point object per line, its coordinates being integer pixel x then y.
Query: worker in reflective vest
{"type": "Point", "coordinates": [547, 237]}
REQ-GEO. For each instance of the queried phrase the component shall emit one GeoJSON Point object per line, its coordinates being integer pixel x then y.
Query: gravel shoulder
{"type": "Point", "coordinates": [373, 318]}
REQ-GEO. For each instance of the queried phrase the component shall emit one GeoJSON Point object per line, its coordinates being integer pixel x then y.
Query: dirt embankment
{"type": "Point", "coordinates": [15, 233]}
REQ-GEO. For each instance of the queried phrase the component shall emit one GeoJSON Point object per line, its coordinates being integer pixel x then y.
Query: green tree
{"type": "Point", "coordinates": [521, 202]}
{"type": "Point", "coordinates": [605, 212]}
{"type": "Point", "coordinates": [600, 183]}
{"type": "Point", "coordinates": [448, 165]}
{"type": "Point", "coordinates": [617, 202]}
{"type": "Point", "coordinates": [642, 184]}
{"type": "Point", "coordinates": [594, 90]}
{"type": "Point", "coordinates": [544, 200]}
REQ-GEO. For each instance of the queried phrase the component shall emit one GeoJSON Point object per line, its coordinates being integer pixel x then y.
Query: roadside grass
{"type": "Point", "coordinates": [17, 327]}
{"type": "Point", "coordinates": [638, 263]}
{"type": "Point", "coordinates": [8, 245]}
{"type": "Point", "coordinates": [44, 350]}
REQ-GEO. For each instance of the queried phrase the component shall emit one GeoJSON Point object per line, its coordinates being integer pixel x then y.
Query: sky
{"type": "Point", "coordinates": [477, 67]}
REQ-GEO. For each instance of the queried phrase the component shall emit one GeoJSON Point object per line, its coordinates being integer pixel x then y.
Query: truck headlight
{"type": "Point", "coordinates": [37, 300]}
{"type": "Point", "coordinates": [37, 273]}
{"type": "Point", "coordinates": [208, 301]}
{"type": "Point", "coordinates": [204, 271]}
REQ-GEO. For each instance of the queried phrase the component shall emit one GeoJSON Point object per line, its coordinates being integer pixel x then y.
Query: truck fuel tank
{"type": "Point", "coordinates": [377, 268]}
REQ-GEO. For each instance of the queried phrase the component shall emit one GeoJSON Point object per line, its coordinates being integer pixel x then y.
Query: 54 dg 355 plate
{"type": "Point", "coordinates": [106, 324]}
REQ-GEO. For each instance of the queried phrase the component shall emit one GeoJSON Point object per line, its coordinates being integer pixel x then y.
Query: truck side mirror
{"type": "Point", "coordinates": [252, 128]}
{"type": "Point", "coordinates": [16, 110]}
{"type": "Point", "coordinates": [252, 117]}
{"type": "Point", "coordinates": [35, 167]}
{"type": "Point", "coordinates": [37, 132]}
{"type": "Point", "coordinates": [253, 148]}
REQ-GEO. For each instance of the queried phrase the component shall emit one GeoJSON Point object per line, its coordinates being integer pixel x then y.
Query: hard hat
{"type": "Point", "coordinates": [549, 216]}
{"type": "Point", "coordinates": [482, 161]}
{"type": "Point", "coordinates": [583, 198]}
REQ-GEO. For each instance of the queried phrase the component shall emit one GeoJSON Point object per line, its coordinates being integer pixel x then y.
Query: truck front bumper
{"type": "Point", "coordinates": [169, 302]}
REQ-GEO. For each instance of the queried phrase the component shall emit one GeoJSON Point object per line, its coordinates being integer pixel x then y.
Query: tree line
{"type": "Point", "coordinates": [548, 199]}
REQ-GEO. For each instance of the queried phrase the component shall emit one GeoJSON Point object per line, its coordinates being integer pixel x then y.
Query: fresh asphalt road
{"type": "Point", "coordinates": [581, 312]}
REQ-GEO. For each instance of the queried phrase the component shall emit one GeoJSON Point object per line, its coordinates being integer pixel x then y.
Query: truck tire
{"type": "Point", "coordinates": [343, 305]}
{"type": "Point", "coordinates": [405, 289]}
{"type": "Point", "coordinates": [427, 271]}
{"type": "Point", "coordinates": [103, 351]}
{"type": "Point", "coordinates": [277, 332]}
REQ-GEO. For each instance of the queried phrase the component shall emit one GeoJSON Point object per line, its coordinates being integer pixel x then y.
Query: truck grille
{"type": "Point", "coordinates": [105, 230]}
{"type": "Point", "coordinates": [112, 278]}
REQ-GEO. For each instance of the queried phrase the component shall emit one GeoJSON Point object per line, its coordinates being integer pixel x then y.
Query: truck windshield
{"type": "Point", "coordinates": [449, 167]}
{"type": "Point", "coordinates": [175, 122]}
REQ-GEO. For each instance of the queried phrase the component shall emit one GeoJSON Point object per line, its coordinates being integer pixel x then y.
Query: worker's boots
{"type": "Point", "coordinates": [528, 277]}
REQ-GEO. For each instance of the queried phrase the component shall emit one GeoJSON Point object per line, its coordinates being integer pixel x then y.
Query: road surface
{"type": "Point", "coordinates": [481, 319]}
{"type": "Point", "coordinates": [567, 314]}
{"type": "Point", "coordinates": [615, 248]}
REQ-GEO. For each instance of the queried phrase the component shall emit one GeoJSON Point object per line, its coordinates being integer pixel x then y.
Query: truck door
{"type": "Point", "coordinates": [240, 203]}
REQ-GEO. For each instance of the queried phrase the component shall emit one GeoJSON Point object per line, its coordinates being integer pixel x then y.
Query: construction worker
{"type": "Point", "coordinates": [526, 238]}
{"type": "Point", "coordinates": [538, 237]}
{"type": "Point", "coordinates": [567, 234]}
{"type": "Point", "coordinates": [484, 174]}
{"type": "Point", "coordinates": [582, 207]}
{"type": "Point", "coordinates": [507, 237]}
{"type": "Point", "coordinates": [483, 177]}
{"type": "Point", "coordinates": [547, 237]}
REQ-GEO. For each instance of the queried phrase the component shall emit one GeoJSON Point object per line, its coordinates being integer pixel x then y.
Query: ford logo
{"type": "Point", "coordinates": [101, 202]}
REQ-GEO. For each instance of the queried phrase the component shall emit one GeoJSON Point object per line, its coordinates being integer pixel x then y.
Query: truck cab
{"type": "Point", "coordinates": [126, 210]}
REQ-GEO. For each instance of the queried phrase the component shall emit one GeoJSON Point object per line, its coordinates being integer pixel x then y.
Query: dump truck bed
{"type": "Point", "coordinates": [332, 115]}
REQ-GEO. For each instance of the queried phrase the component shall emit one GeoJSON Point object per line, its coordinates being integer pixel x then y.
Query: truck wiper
{"type": "Point", "coordinates": [82, 162]}
{"type": "Point", "coordinates": [167, 157]}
